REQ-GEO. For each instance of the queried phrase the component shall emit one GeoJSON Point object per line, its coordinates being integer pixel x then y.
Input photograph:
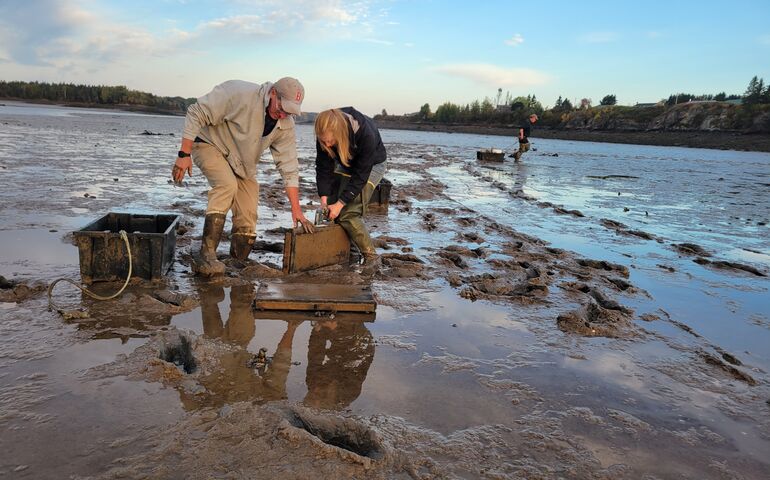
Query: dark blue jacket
{"type": "Point", "coordinates": [366, 150]}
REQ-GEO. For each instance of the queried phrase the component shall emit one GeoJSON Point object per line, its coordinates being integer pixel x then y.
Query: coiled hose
{"type": "Point", "coordinates": [84, 289]}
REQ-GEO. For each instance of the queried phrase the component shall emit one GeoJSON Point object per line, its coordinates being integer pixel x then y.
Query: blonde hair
{"type": "Point", "coordinates": [334, 123]}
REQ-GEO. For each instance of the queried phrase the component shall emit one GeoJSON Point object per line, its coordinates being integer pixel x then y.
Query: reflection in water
{"type": "Point", "coordinates": [339, 355]}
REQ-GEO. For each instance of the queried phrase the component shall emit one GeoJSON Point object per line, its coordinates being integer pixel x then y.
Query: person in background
{"type": "Point", "coordinates": [225, 133]}
{"type": "Point", "coordinates": [524, 132]}
{"type": "Point", "coordinates": [350, 162]}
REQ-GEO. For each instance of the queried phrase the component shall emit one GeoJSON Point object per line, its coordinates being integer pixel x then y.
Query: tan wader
{"type": "Point", "coordinates": [229, 192]}
{"type": "Point", "coordinates": [523, 148]}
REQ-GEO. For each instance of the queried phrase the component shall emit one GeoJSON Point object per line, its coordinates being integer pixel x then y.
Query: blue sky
{"type": "Point", "coordinates": [393, 54]}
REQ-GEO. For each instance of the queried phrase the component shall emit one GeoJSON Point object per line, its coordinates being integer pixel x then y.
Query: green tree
{"type": "Point", "coordinates": [609, 100]}
{"type": "Point", "coordinates": [425, 112]}
{"type": "Point", "coordinates": [754, 92]}
{"type": "Point", "coordinates": [447, 112]}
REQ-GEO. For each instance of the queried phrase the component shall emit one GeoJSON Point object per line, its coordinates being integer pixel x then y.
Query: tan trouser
{"type": "Point", "coordinates": [228, 191]}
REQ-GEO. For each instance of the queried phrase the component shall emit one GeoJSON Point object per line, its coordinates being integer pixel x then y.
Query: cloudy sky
{"type": "Point", "coordinates": [393, 54]}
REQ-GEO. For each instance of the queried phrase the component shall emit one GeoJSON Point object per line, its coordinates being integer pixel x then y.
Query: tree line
{"type": "Point", "coordinates": [517, 109]}
{"type": "Point", "coordinates": [92, 95]}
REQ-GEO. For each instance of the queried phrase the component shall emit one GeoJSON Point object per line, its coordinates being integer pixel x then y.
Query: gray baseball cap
{"type": "Point", "coordinates": [292, 93]}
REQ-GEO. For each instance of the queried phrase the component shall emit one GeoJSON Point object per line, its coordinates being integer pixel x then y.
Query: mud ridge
{"type": "Point", "coordinates": [727, 265]}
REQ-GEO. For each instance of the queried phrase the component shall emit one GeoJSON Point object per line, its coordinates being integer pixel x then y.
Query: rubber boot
{"type": "Point", "coordinates": [372, 263]}
{"type": "Point", "coordinates": [241, 244]}
{"type": "Point", "coordinates": [205, 263]}
{"type": "Point", "coordinates": [355, 255]}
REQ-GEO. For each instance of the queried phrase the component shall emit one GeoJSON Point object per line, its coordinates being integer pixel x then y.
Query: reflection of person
{"type": "Point", "coordinates": [350, 162]}
{"type": "Point", "coordinates": [338, 359]}
{"type": "Point", "coordinates": [236, 380]}
{"type": "Point", "coordinates": [524, 132]}
{"type": "Point", "coordinates": [225, 133]}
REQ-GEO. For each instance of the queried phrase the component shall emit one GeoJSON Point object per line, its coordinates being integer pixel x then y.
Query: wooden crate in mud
{"type": "Point", "coordinates": [103, 256]}
{"type": "Point", "coordinates": [490, 155]}
{"type": "Point", "coordinates": [381, 194]}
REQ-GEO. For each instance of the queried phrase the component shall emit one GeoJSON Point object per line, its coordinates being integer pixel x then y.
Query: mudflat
{"type": "Point", "coordinates": [595, 311]}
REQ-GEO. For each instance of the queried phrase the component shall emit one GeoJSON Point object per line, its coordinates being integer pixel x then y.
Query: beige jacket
{"type": "Point", "coordinates": [232, 118]}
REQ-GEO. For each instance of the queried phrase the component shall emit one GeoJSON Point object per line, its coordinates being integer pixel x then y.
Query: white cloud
{"type": "Point", "coordinates": [378, 41]}
{"type": "Point", "coordinates": [494, 76]}
{"type": "Point", "coordinates": [515, 41]}
{"type": "Point", "coordinates": [599, 37]}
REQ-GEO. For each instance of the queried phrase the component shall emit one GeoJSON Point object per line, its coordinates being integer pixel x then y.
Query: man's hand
{"type": "Point", "coordinates": [181, 166]}
{"type": "Point", "coordinates": [335, 209]}
{"type": "Point", "coordinates": [298, 218]}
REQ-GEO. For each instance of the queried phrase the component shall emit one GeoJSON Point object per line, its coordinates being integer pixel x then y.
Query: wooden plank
{"type": "Point", "coordinates": [315, 297]}
{"type": "Point", "coordinates": [328, 245]}
{"type": "Point", "coordinates": [307, 316]}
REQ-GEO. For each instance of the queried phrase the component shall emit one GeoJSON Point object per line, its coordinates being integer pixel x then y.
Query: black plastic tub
{"type": "Point", "coordinates": [381, 194]}
{"type": "Point", "coordinates": [103, 256]}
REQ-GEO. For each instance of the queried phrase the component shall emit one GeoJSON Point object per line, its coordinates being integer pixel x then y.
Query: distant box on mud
{"type": "Point", "coordinates": [103, 256]}
{"type": "Point", "coordinates": [381, 194]}
{"type": "Point", "coordinates": [490, 155]}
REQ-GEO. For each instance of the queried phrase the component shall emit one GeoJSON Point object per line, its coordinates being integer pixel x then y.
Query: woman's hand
{"type": "Point", "coordinates": [335, 209]}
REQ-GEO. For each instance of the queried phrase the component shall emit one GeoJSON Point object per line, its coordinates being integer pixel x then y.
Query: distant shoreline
{"type": "Point", "coordinates": [124, 107]}
{"type": "Point", "coordinates": [720, 140]}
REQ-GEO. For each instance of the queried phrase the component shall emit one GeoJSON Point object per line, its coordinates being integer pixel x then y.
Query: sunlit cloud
{"type": "Point", "coordinates": [65, 34]}
{"type": "Point", "coordinates": [515, 41]}
{"type": "Point", "coordinates": [598, 37]}
{"type": "Point", "coordinates": [493, 75]}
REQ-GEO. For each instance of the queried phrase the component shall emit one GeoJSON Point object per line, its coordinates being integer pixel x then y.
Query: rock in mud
{"type": "Point", "coordinates": [593, 320]}
{"type": "Point", "coordinates": [403, 257]}
{"type": "Point", "coordinates": [19, 291]}
{"type": "Point", "coordinates": [454, 258]}
{"type": "Point", "coordinates": [175, 298]}
{"type": "Point", "coordinates": [603, 265]}
{"type": "Point", "coordinates": [691, 249]}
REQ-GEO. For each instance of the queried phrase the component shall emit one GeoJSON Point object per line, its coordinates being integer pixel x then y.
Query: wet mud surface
{"type": "Point", "coordinates": [526, 326]}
